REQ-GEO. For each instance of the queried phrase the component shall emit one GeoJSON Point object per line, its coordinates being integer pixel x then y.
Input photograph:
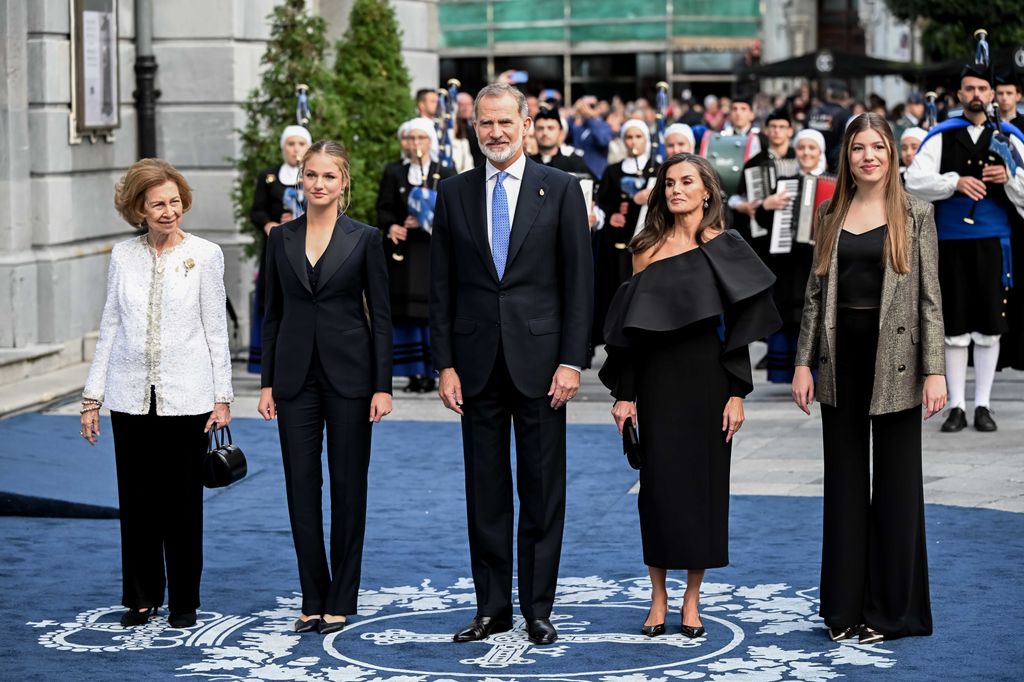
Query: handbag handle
{"type": "Point", "coordinates": [220, 437]}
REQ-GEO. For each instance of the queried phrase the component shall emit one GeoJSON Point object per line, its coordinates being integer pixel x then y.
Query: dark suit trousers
{"type": "Point", "coordinates": [301, 422]}
{"type": "Point", "coordinates": [874, 567]}
{"type": "Point", "coordinates": [160, 494]}
{"type": "Point", "coordinates": [540, 479]}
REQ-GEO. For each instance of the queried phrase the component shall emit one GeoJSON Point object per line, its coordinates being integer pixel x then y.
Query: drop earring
{"type": "Point", "coordinates": [705, 203]}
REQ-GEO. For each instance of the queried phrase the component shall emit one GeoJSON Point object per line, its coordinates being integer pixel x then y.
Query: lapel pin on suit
{"type": "Point", "coordinates": [541, 191]}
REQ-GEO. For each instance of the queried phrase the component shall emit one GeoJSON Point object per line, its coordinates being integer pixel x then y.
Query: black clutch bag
{"type": "Point", "coordinates": [631, 445]}
{"type": "Point", "coordinates": [224, 462]}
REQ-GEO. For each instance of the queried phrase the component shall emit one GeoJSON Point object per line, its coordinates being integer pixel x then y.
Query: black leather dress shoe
{"type": "Point", "coordinates": [541, 631]}
{"type": "Point", "coordinates": [839, 634]}
{"type": "Point", "coordinates": [983, 420]}
{"type": "Point", "coordinates": [956, 420]}
{"type": "Point", "coordinates": [311, 625]}
{"type": "Point", "coordinates": [483, 627]}
{"type": "Point", "coordinates": [337, 626]}
{"type": "Point", "coordinates": [133, 617]}
{"type": "Point", "coordinates": [182, 620]}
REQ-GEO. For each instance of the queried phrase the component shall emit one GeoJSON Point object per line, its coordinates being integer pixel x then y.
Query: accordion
{"type": "Point", "coordinates": [797, 221]}
{"type": "Point", "coordinates": [762, 181]}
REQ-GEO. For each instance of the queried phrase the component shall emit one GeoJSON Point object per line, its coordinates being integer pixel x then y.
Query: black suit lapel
{"type": "Point", "coordinates": [474, 205]}
{"type": "Point", "coordinates": [295, 249]}
{"type": "Point", "coordinates": [531, 198]}
{"type": "Point", "coordinates": [343, 243]}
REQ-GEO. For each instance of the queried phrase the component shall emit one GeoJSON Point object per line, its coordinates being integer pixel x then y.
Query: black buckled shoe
{"type": "Point", "coordinates": [133, 617]}
{"type": "Point", "coordinates": [983, 420]}
{"type": "Point", "coordinates": [182, 620]}
{"type": "Point", "coordinates": [956, 420]}
{"type": "Point", "coordinates": [541, 631]}
{"type": "Point", "coordinates": [483, 627]}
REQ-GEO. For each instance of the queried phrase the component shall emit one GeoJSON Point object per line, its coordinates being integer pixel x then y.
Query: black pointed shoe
{"type": "Point", "coordinates": [870, 635]}
{"type": "Point", "coordinates": [693, 632]}
{"type": "Point", "coordinates": [956, 420]}
{"type": "Point", "coordinates": [541, 631]}
{"type": "Point", "coordinates": [133, 617]}
{"type": "Point", "coordinates": [983, 420]}
{"type": "Point", "coordinates": [839, 634]}
{"type": "Point", "coordinates": [182, 620]}
{"type": "Point", "coordinates": [311, 625]}
{"type": "Point", "coordinates": [327, 627]}
{"type": "Point", "coordinates": [483, 627]}
{"type": "Point", "coordinates": [653, 630]}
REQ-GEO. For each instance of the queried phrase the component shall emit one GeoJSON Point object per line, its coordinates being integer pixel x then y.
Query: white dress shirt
{"type": "Point", "coordinates": [164, 325]}
{"type": "Point", "coordinates": [926, 182]}
{"type": "Point", "coordinates": [512, 184]}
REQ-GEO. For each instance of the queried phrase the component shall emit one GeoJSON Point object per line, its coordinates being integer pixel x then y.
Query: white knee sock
{"type": "Point", "coordinates": [956, 375]}
{"type": "Point", "coordinates": [985, 360]}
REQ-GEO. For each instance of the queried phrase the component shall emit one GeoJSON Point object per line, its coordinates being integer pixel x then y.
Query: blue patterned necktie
{"type": "Point", "coordinates": [501, 226]}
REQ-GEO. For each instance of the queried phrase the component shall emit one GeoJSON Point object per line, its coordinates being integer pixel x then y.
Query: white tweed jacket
{"type": "Point", "coordinates": [164, 325]}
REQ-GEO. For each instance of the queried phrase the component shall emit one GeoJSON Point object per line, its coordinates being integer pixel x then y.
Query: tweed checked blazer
{"type": "Point", "coordinates": [910, 334]}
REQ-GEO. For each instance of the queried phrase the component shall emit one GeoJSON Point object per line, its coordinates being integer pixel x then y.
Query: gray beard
{"type": "Point", "coordinates": [502, 157]}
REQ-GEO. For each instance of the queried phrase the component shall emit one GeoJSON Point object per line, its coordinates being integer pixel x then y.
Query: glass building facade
{"type": "Point", "coordinates": [599, 47]}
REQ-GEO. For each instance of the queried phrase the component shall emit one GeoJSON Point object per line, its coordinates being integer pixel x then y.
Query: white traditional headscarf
{"type": "Point", "coordinates": [818, 139]}
{"type": "Point", "coordinates": [684, 130]}
{"type": "Point", "coordinates": [289, 175]}
{"type": "Point", "coordinates": [426, 126]}
{"type": "Point", "coordinates": [917, 133]}
{"type": "Point", "coordinates": [635, 164]}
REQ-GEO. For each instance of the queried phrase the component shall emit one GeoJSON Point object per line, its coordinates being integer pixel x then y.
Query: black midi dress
{"type": "Point", "coordinates": [677, 336]}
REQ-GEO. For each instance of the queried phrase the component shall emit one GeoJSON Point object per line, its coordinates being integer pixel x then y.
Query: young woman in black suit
{"type": "Point", "coordinates": [326, 361]}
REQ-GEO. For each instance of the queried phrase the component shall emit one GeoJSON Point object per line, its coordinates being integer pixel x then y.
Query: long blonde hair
{"type": "Point", "coordinates": [896, 250]}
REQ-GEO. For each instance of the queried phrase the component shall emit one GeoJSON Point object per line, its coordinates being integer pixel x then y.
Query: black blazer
{"type": "Point", "coordinates": [354, 351]}
{"type": "Point", "coordinates": [541, 310]}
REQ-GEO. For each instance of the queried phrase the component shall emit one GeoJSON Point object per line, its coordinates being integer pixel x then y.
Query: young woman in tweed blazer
{"type": "Point", "coordinates": [872, 325]}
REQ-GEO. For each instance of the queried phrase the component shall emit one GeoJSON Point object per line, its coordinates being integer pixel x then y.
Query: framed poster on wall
{"type": "Point", "coordinates": [95, 90]}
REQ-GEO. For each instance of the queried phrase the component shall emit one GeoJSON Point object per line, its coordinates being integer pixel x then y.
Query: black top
{"type": "Point", "coordinates": [313, 273]}
{"type": "Point", "coordinates": [861, 268]}
{"type": "Point", "coordinates": [724, 277]}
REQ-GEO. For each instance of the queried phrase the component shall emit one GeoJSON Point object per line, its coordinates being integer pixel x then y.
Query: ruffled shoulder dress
{"type": "Point", "coordinates": [677, 336]}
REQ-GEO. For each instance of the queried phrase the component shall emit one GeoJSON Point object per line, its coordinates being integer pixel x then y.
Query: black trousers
{"type": "Point", "coordinates": [874, 567]}
{"type": "Point", "coordinates": [301, 422]}
{"type": "Point", "coordinates": [160, 493]}
{"type": "Point", "coordinates": [540, 479]}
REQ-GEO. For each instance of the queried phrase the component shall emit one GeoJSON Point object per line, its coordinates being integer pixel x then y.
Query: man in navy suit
{"type": "Point", "coordinates": [511, 303]}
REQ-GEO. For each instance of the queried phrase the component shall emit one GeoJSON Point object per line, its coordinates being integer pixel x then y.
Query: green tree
{"type": "Point", "coordinates": [296, 53]}
{"type": "Point", "coordinates": [373, 84]}
{"type": "Point", "coordinates": [951, 24]}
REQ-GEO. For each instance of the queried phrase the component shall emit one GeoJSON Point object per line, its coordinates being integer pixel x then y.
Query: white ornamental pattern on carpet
{"type": "Point", "coordinates": [747, 629]}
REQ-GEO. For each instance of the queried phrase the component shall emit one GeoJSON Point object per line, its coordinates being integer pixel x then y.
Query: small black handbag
{"type": "Point", "coordinates": [224, 462]}
{"type": "Point", "coordinates": [631, 445]}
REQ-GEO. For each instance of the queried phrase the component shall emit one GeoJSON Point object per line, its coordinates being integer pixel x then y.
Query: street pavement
{"type": "Point", "coordinates": [778, 450]}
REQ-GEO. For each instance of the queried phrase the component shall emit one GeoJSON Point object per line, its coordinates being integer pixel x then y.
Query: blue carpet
{"type": "Point", "coordinates": [60, 586]}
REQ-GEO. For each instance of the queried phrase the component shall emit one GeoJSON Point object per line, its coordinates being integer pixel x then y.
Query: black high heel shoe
{"type": "Point", "coordinates": [133, 617]}
{"type": "Point", "coordinates": [690, 631]}
{"type": "Point", "coordinates": [653, 630]}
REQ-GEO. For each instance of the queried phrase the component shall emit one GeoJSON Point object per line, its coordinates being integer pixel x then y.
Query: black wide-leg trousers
{"type": "Point", "coordinates": [874, 567]}
{"type": "Point", "coordinates": [333, 588]}
{"type": "Point", "coordinates": [160, 494]}
{"type": "Point", "coordinates": [540, 480]}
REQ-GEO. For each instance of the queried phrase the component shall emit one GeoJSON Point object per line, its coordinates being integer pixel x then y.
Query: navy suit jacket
{"type": "Point", "coordinates": [353, 342]}
{"type": "Point", "coordinates": [541, 309]}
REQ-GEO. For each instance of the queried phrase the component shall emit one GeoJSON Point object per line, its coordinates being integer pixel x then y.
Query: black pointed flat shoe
{"type": "Point", "coordinates": [870, 636]}
{"type": "Point", "coordinates": [311, 625]}
{"type": "Point", "coordinates": [839, 634]}
{"type": "Point", "coordinates": [327, 628]}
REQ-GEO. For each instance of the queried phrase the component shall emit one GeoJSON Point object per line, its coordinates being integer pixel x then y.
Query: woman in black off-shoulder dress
{"type": "Point", "coordinates": [677, 335]}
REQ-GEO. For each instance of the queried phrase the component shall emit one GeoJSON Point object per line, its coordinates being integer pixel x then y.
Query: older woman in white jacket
{"type": "Point", "coordinates": [163, 369]}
